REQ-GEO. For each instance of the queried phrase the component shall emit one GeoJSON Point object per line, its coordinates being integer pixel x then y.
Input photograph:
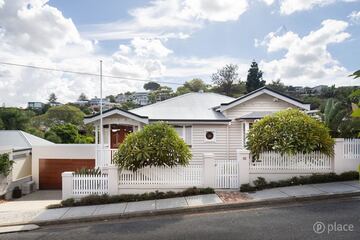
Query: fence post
{"type": "Point", "coordinates": [67, 185]}
{"type": "Point", "coordinates": [243, 157]}
{"type": "Point", "coordinates": [209, 171]}
{"type": "Point", "coordinates": [113, 176]}
{"type": "Point", "coordinates": [339, 163]}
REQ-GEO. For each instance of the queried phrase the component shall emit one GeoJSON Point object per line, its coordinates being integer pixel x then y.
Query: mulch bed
{"type": "Point", "coordinates": [233, 197]}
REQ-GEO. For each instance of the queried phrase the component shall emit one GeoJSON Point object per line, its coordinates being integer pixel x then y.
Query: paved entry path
{"type": "Point", "coordinates": [27, 207]}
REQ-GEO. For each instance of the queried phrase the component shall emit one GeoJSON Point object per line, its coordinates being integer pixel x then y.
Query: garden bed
{"type": "Point", "coordinates": [260, 183]}
{"type": "Point", "coordinates": [106, 199]}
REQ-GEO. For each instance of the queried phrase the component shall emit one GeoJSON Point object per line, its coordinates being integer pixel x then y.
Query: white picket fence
{"type": "Point", "coordinates": [87, 184]}
{"type": "Point", "coordinates": [105, 157]}
{"type": "Point", "coordinates": [352, 148]}
{"type": "Point", "coordinates": [271, 162]}
{"type": "Point", "coordinates": [227, 173]}
{"type": "Point", "coordinates": [179, 176]}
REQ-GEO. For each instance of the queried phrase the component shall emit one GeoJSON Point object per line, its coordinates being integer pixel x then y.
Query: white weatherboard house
{"type": "Point", "coordinates": [208, 122]}
{"type": "Point", "coordinates": [215, 127]}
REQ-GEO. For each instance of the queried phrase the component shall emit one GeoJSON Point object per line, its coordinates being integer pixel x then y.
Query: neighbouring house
{"type": "Point", "coordinates": [139, 98]}
{"type": "Point", "coordinates": [319, 89]}
{"type": "Point", "coordinates": [54, 104]}
{"type": "Point", "coordinates": [35, 105]}
{"type": "Point", "coordinates": [96, 101]}
{"type": "Point", "coordinates": [81, 103]}
{"type": "Point", "coordinates": [208, 122]}
{"type": "Point", "coordinates": [19, 145]}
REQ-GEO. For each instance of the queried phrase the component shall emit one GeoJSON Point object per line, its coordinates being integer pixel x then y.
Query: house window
{"type": "Point", "coordinates": [246, 126]}
{"type": "Point", "coordinates": [185, 132]}
{"type": "Point", "coordinates": [210, 135]}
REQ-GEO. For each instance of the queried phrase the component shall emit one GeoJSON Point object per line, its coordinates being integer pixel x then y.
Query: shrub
{"type": "Point", "coordinates": [104, 199]}
{"type": "Point", "coordinates": [247, 188]}
{"type": "Point", "coordinates": [260, 183]}
{"type": "Point", "coordinates": [88, 171]}
{"type": "Point", "coordinates": [288, 132]}
{"type": "Point", "coordinates": [157, 144]}
{"type": "Point", "coordinates": [5, 164]}
{"type": "Point", "coordinates": [68, 202]}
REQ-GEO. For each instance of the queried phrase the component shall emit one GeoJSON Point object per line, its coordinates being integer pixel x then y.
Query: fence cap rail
{"type": "Point", "coordinates": [67, 174]}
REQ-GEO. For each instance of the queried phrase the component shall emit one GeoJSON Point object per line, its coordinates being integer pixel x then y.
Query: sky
{"type": "Point", "coordinates": [301, 42]}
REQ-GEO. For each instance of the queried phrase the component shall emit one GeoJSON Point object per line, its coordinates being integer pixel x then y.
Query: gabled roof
{"type": "Point", "coordinates": [269, 91]}
{"type": "Point", "coordinates": [19, 140]}
{"type": "Point", "coordinates": [193, 106]}
{"type": "Point", "coordinates": [114, 111]}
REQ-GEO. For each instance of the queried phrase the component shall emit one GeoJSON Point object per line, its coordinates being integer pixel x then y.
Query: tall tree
{"type": "Point", "coordinates": [52, 98]}
{"type": "Point", "coordinates": [277, 85]}
{"type": "Point", "coordinates": [356, 74]}
{"type": "Point", "coordinates": [226, 78]}
{"type": "Point", "coordinates": [152, 86]}
{"type": "Point", "coordinates": [60, 115]}
{"type": "Point", "coordinates": [82, 97]}
{"type": "Point", "coordinates": [194, 85]}
{"type": "Point", "coordinates": [15, 118]}
{"type": "Point", "coordinates": [254, 78]}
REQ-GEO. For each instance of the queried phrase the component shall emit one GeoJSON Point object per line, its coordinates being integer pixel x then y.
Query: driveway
{"type": "Point", "coordinates": [28, 206]}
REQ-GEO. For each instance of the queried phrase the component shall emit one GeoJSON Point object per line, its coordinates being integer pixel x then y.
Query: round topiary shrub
{"type": "Point", "coordinates": [157, 144]}
{"type": "Point", "coordinates": [289, 132]}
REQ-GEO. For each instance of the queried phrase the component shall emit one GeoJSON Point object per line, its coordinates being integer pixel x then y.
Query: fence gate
{"type": "Point", "coordinates": [227, 173]}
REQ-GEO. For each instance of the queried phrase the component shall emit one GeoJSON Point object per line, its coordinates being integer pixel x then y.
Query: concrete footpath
{"type": "Point", "coordinates": [210, 202]}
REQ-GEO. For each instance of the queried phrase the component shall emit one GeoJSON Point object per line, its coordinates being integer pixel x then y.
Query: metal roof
{"type": "Point", "coordinates": [255, 115]}
{"type": "Point", "coordinates": [19, 140]}
{"type": "Point", "coordinates": [191, 106]}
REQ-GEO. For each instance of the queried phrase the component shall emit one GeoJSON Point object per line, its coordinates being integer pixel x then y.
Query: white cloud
{"type": "Point", "coordinates": [307, 59]}
{"type": "Point", "coordinates": [35, 26]}
{"type": "Point", "coordinates": [288, 7]}
{"type": "Point", "coordinates": [220, 10]}
{"type": "Point", "coordinates": [142, 58]}
{"type": "Point", "coordinates": [168, 19]}
{"type": "Point", "coordinates": [269, 2]}
{"type": "Point", "coordinates": [34, 33]}
{"type": "Point", "coordinates": [355, 17]}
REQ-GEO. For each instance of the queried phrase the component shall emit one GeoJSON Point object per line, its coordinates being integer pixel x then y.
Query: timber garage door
{"type": "Point", "coordinates": [50, 170]}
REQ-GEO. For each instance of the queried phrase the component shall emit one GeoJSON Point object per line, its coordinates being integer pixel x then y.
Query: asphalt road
{"type": "Point", "coordinates": [291, 221]}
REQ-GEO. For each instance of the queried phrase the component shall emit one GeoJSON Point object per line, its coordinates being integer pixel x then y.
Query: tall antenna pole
{"type": "Point", "coordinates": [101, 116]}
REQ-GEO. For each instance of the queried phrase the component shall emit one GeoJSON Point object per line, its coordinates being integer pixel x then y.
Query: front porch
{"type": "Point", "coordinates": [110, 131]}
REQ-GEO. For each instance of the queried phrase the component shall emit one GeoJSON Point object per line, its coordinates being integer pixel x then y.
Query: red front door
{"type": "Point", "coordinates": [118, 134]}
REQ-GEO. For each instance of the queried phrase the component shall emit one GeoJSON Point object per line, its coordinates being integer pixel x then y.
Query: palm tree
{"type": "Point", "coordinates": [356, 74]}
{"type": "Point", "coordinates": [334, 114]}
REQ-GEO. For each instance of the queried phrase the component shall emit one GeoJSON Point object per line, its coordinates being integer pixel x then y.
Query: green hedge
{"type": "Point", "coordinates": [106, 199]}
{"type": "Point", "coordinates": [260, 183]}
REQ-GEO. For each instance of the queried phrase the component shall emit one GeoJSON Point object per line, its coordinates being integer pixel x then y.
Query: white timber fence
{"type": "Point", "coordinates": [352, 148]}
{"type": "Point", "coordinates": [272, 162]}
{"type": "Point", "coordinates": [163, 177]}
{"type": "Point", "coordinates": [80, 185]}
{"type": "Point", "coordinates": [213, 173]}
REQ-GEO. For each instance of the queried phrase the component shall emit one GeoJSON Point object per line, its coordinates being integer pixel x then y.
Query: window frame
{"type": "Point", "coordinates": [210, 140]}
